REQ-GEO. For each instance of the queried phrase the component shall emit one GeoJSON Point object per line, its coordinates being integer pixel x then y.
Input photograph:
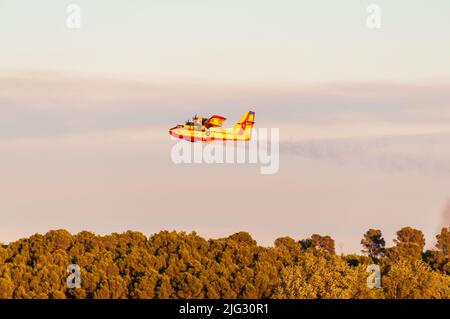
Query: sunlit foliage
{"type": "Point", "coordinates": [182, 265]}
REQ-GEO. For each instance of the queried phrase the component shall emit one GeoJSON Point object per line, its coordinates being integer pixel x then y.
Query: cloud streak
{"type": "Point", "coordinates": [428, 153]}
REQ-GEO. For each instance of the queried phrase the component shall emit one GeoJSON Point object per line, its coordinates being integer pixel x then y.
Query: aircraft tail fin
{"type": "Point", "coordinates": [245, 124]}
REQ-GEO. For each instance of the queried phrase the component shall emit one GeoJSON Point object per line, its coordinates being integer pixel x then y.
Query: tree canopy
{"type": "Point", "coordinates": [185, 265]}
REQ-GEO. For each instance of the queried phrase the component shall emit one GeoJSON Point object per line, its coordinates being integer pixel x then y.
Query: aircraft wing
{"type": "Point", "coordinates": [215, 121]}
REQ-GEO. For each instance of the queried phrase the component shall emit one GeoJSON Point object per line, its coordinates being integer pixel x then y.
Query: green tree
{"type": "Point", "coordinates": [6, 288]}
{"type": "Point", "coordinates": [325, 276]}
{"type": "Point", "coordinates": [409, 244]}
{"type": "Point", "coordinates": [373, 243]}
{"type": "Point", "coordinates": [320, 243]}
{"type": "Point", "coordinates": [181, 265]}
{"type": "Point", "coordinates": [290, 249]}
{"type": "Point", "coordinates": [443, 241]}
{"type": "Point", "coordinates": [416, 279]}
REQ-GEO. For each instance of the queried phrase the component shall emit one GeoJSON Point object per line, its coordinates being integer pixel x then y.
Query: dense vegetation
{"type": "Point", "coordinates": [181, 265]}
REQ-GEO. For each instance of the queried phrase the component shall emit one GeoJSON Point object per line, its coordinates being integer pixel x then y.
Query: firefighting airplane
{"type": "Point", "coordinates": [203, 129]}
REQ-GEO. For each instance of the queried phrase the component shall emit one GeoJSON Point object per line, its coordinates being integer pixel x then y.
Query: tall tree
{"type": "Point", "coordinates": [411, 235]}
{"type": "Point", "coordinates": [409, 244]}
{"type": "Point", "coordinates": [373, 243]}
{"type": "Point", "coordinates": [443, 241]}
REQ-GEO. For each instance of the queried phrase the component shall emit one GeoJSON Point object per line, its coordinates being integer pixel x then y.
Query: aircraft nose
{"type": "Point", "coordinates": [173, 132]}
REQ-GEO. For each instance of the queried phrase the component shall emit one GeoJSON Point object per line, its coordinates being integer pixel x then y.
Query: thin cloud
{"type": "Point", "coordinates": [142, 136]}
{"type": "Point", "coordinates": [421, 153]}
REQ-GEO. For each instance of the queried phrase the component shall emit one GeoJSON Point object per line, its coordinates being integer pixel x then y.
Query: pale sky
{"type": "Point", "coordinates": [364, 117]}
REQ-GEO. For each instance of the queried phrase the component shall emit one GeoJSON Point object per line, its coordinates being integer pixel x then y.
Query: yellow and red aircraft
{"type": "Point", "coordinates": [203, 129]}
